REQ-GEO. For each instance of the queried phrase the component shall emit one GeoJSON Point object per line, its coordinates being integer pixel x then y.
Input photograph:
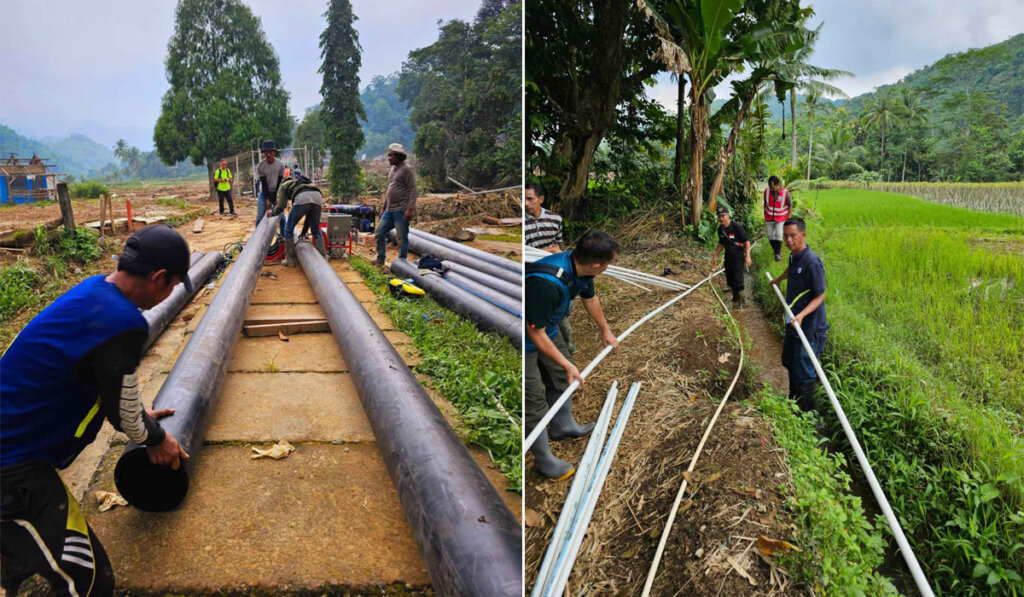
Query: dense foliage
{"type": "Point", "coordinates": [225, 85]}
{"type": "Point", "coordinates": [341, 108]}
{"type": "Point", "coordinates": [387, 117]}
{"type": "Point", "coordinates": [465, 94]}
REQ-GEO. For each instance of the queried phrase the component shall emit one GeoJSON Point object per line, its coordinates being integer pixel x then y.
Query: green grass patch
{"type": "Point", "coordinates": [89, 189]}
{"type": "Point", "coordinates": [479, 373]}
{"type": "Point", "coordinates": [926, 355]}
{"type": "Point", "coordinates": [504, 238]}
{"type": "Point", "coordinates": [841, 549]}
{"type": "Point", "coordinates": [172, 202]}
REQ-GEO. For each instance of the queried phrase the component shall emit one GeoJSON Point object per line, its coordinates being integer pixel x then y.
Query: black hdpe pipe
{"type": "Point", "coordinates": [469, 540]}
{"type": "Point", "coordinates": [509, 289]}
{"type": "Point", "coordinates": [485, 292]}
{"type": "Point", "coordinates": [194, 384]}
{"type": "Point", "coordinates": [352, 210]}
{"type": "Point", "coordinates": [485, 315]}
{"type": "Point", "coordinates": [422, 246]}
{"type": "Point", "coordinates": [161, 315]}
{"type": "Point", "coordinates": [502, 262]}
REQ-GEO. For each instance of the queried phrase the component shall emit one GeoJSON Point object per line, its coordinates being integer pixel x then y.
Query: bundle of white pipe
{"type": "Point", "coordinates": [897, 531]}
{"type": "Point", "coordinates": [630, 276]}
{"type": "Point", "coordinates": [583, 495]}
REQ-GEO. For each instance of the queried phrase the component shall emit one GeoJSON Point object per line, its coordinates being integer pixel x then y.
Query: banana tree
{"type": "Point", "coordinates": [693, 38]}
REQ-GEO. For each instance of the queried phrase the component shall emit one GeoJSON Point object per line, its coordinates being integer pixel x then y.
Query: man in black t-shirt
{"type": "Point", "coordinates": [733, 238]}
{"type": "Point", "coordinates": [805, 294]}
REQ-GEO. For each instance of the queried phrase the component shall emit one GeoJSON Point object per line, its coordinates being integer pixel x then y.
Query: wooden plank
{"type": "Point", "coordinates": [267, 320]}
{"type": "Point", "coordinates": [197, 227]}
{"type": "Point", "coordinates": [276, 329]}
{"type": "Point", "coordinates": [502, 221]}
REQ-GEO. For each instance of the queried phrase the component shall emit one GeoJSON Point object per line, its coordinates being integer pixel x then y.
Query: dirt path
{"type": "Point", "coordinates": [327, 517]}
{"type": "Point", "coordinates": [685, 358]}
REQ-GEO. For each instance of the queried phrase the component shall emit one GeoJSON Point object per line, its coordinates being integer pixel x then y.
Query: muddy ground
{"type": "Point", "coordinates": [685, 358]}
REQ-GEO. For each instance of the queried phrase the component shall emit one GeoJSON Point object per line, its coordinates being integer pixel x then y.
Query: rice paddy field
{"type": "Point", "coordinates": [926, 354]}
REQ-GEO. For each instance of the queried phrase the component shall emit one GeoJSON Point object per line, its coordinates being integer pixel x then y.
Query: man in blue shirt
{"type": "Point", "coordinates": [551, 285]}
{"type": "Point", "coordinates": [72, 366]}
{"type": "Point", "coordinates": [805, 294]}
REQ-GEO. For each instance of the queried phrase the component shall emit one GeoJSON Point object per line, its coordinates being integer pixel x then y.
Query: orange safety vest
{"type": "Point", "coordinates": [777, 210]}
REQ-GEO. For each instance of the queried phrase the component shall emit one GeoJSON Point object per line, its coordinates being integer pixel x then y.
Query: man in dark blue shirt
{"type": "Point", "coordinates": [72, 366]}
{"type": "Point", "coordinates": [733, 238]}
{"type": "Point", "coordinates": [805, 294]}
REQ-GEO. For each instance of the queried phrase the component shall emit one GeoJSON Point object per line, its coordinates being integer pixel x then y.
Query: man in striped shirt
{"type": "Point", "coordinates": [543, 230]}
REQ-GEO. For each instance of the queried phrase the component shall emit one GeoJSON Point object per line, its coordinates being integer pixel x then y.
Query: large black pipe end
{"type": "Point", "coordinates": [147, 486]}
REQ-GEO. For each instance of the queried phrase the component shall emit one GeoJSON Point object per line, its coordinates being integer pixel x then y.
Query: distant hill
{"type": "Point", "coordinates": [75, 154]}
{"type": "Point", "coordinates": [997, 70]}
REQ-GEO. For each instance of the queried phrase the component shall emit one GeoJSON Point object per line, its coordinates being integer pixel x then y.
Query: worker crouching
{"type": "Point", "coordinates": [307, 202]}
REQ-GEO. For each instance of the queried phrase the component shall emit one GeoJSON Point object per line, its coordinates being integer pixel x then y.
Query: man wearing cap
{"type": "Point", "coordinates": [72, 366]}
{"type": "Point", "coordinates": [805, 293]}
{"type": "Point", "coordinates": [270, 173]}
{"type": "Point", "coordinates": [733, 238]}
{"type": "Point", "coordinates": [399, 203]}
{"type": "Point", "coordinates": [222, 176]}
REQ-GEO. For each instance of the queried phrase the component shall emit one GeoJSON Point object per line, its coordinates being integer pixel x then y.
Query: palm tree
{"type": "Point", "coordinates": [837, 157]}
{"type": "Point", "coordinates": [915, 112]}
{"type": "Point", "coordinates": [882, 112]}
{"type": "Point", "coordinates": [121, 149]}
{"type": "Point", "coordinates": [810, 78]}
{"type": "Point", "coordinates": [811, 99]}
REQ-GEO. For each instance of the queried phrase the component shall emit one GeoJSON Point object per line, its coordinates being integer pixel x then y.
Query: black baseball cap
{"type": "Point", "coordinates": [160, 247]}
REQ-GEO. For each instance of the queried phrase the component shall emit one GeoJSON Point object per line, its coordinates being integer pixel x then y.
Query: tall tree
{"type": "Point", "coordinates": [121, 149]}
{"type": "Point", "coordinates": [225, 86]}
{"type": "Point", "coordinates": [915, 115]}
{"type": "Point", "coordinates": [882, 112]}
{"type": "Point", "coordinates": [587, 59]}
{"type": "Point", "coordinates": [812, 101]}
{"type": "Point", "coordinates": [342, 108]}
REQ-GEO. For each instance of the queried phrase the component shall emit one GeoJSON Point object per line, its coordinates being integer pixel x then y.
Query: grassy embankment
{"type": "Point", "coordinates": [1002, 197]}
{"type": "Point", "coordinates": [926, 354]}
{"type": "Point", "coordinates": [479, 373]}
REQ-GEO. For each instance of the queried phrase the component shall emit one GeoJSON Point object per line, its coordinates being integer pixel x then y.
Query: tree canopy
{"type": "Point", "coordinates": [342, 108]}
{"type": "Point", "coordinates": [225, 85]}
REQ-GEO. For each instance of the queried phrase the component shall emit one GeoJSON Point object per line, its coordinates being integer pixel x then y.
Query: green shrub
{"type": "Point", "coordinates": [89, 189]}
{"type": "Point", "coordinates": [18, 283]}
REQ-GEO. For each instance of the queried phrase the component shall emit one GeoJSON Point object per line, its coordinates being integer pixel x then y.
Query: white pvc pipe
{"type": "Point", "coordinates": [630, 276]}
{"type": "Point", "coordinates": [653, 571]}
{"type": "Point", "coordinates": [543, 423]}
{"type": "Point", "coordinates": [876, 489]}
{"type": "Point", "coordinates": [584, 474]}
{"type": "Point", "coordinates": [567, 559]}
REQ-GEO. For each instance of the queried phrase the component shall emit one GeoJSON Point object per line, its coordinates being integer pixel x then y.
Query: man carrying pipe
{"type": "Point", "coordinates": [543, 229]}
{"type": "Point", "coordinates": [551, 285]}
{"type": "Point", "coordinates": [399, 204]}
{"type": "Point", "coordinates": [805, 294]}
{"type": "Point", "coordinates": [72, 362]}
{"type": "Point", "coordinates": [270, 174]}
{"type": "Point", "coordinates": [733, 238]}
{"type": "Point", "coordinates": [307, 202]}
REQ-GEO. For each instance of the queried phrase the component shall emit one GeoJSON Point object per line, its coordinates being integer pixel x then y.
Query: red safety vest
{"type": "Point", "coordinates": [777, 210]}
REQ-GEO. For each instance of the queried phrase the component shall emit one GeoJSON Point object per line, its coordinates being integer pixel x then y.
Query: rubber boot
{"type": "Point", "coordinates": [805, 397]}
{"type": "Point", "coordinates": [735, 295]}
{"type": "Point", "coordinates": [320, 245]}
{"type": "Point", "coordinates": [742, 301]}
{"type": "Point", "coordinates": [563, 425]}
{"type": "Point", "coordinates": [290, 259]}
{"type": "Point", "coordinates": [547, 463]}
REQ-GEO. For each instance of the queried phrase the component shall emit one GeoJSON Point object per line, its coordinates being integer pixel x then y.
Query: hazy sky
{"type": "Point", "coordinates": [881, 41]}
{"type": "Point", "coordinates": [98, 67]}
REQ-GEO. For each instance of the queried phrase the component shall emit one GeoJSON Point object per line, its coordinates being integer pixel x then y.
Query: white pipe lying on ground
{"type": "Point", "coordinates": [543, 423]}
{"type": "Point", "coordinates": [630, 276]}
{"type": "Point", "coordinates": [653, 571]}
{"type": "Point", "coordinates": [876, 489]}
{"type": "Point", "coordinates": [570, 550]}
{"type": "Point", "coordinates": [584, 474]}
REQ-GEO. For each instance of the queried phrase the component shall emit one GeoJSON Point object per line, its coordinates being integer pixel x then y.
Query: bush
{"type": "Point", "coordinates": [89, 189]}
{"type": "Point", "coordinates": [17, 289]}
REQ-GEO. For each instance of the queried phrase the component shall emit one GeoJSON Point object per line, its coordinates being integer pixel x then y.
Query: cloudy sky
{"type": "Point", "coordinates": [98, 67]}
{"type": "Point", "coordinates": [881, 41]}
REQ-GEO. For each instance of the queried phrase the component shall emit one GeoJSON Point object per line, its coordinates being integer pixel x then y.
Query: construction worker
{"type": "Point", "coordinates": [543, 229]}
{"type": "Point", "coordinates": [71, 366]}
{"type": "Point", "coordinates": [551, 285]}
{"type": "Point", "coordinates": [733, 238]}
{"type": "Point", "coordinates": [222, 176]}
{"type": "Point", "coordinates": [399, 203]}
{"type": "Point", "coordinates": [270, 173]}
{"type": "Point", "coordinates": [777, 208]}
{"type": "Point", "coordinates": [805, 294]}
{"type": "Point", "coordinates": [307, 202]}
